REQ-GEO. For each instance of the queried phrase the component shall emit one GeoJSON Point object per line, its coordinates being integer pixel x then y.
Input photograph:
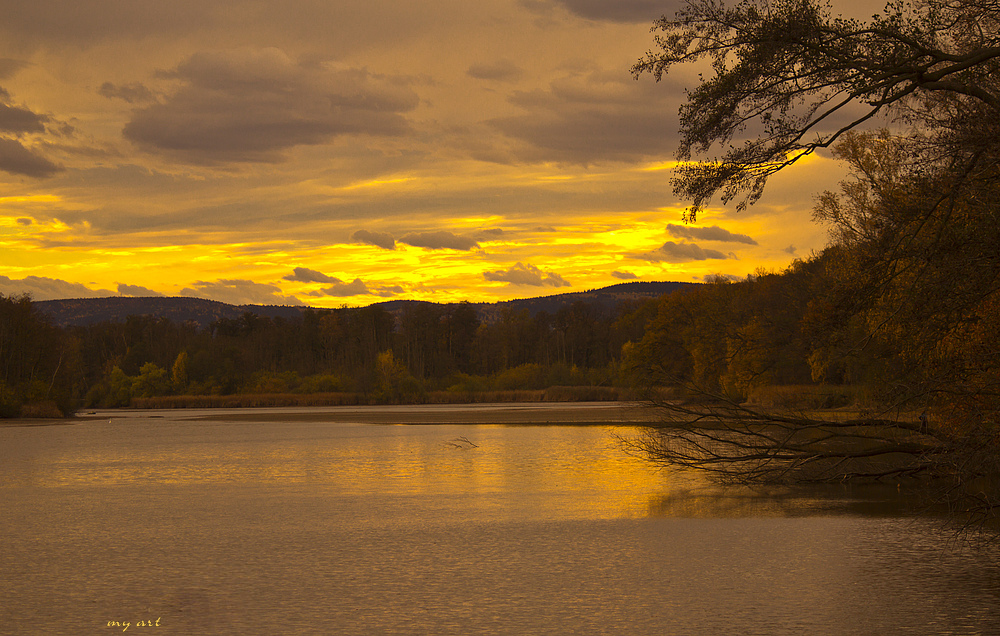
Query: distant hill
{"type": "Point", "coordinates": [605, 297]}
{"type": "Point", "coordinates": [88, 311]}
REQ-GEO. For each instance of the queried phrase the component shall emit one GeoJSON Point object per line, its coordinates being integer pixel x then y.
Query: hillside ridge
{"type": "Point", "coordinates": [203, 312]}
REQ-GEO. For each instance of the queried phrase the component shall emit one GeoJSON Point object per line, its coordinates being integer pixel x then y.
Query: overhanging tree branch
{"type": "Point", "coordinates": [792, 68]}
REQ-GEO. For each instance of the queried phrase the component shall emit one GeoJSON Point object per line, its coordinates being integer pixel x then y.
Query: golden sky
{"type": "Point", "coordinates": [343, 152]}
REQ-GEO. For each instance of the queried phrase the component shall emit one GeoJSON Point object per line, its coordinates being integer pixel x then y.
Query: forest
{"type": "Point", "coordinates": [785, 338]}
{"type": "Point", "coordinates": [361, 355]}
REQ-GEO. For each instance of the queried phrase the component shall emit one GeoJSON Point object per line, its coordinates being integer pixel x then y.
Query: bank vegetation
{"type": "Point", "coordinates": [904, 305]}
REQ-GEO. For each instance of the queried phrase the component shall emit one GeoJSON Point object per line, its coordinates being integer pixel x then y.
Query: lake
{"type": "Point", "coordinates": [417, 520]}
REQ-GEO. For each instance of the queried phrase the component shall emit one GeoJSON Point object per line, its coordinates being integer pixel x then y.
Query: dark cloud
{"type": "Point", "coordinates": [713, 233]}
{"type": "Point", "coordinates": [340, 26]}
{"type": "Point", "coordinates": [593, 116]}
{"type": "Point", "coordinates": [790, 249]}
{"type": "Point", "coordinates": [306, 275]}
{"type": "Point", "coordinates": [44, 288]}
{"type": "Point", "coordinates": [132, 93]}
{"type": "Point", "coordinates": [378, 239]}
{"type": "Point", "coordinates": [16, 159]}
{"type": "Point", "coordinates": [240, 292]}
{"type": "Point", "coordinates": [84, 20]}
{"type": "Point", "coordinates": [25, 220]}
{"type": "Point", "coordinates": [620, 10]}
{"type": "Point", "coordinates": [521, 274]}
{"type": "Point", "coordinates": [503, 70]}
{"type": "Point", "coordinates": [15, 119]}
{"type": "Point", "coordinates": [624, 275]}
{"type": "Point", "coordinates": [136, 290]}
{"type": "Point", "coordinates": [671, 252]}
{"type": "Point", "coordinates": [440, 241]}
{"type": "Point", "coordinates": [253, 105]}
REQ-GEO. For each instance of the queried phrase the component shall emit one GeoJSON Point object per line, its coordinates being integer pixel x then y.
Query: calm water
{"type": "Point", "coordinates": [306, 525]}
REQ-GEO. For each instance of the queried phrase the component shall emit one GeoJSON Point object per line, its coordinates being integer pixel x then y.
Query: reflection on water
{"type": "Point", "coordinates": [271, 526]}
{"type": "Point", "coordinates": [705, 501]}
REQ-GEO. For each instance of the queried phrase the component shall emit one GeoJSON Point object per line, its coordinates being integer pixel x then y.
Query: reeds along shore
{"type": "Point", "coordinates": [551, 394]}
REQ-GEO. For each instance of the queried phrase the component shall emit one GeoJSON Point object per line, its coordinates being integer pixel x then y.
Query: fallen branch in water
{"type": "Point", "coordinates": [462, 442]}
{"type": "Point", "coordinates": [740, 444]}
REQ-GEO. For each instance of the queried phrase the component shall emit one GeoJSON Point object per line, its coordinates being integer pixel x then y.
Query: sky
{"type": "Point", "coordinates": [343, 152]}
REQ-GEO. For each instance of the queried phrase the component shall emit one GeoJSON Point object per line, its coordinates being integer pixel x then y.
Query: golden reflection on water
{"type": "Point", "coordinates": [558, 471]}
{"type": "Point", "coordinates": [495, 471]}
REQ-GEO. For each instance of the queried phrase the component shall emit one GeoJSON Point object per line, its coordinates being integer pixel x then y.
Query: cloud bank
{"type": "Point", "coordinates": [255, 104]}
{"type": "Point", "coordinates": [44, 288]}
{"type": "Point", "coordinates": [15, 156]}
{"type": "Point", "coordinates": [619, 10]}
{"type": "Point", "coordinates": [596, 115]}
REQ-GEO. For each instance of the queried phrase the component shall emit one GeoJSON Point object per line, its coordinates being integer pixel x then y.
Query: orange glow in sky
{"type": "Point", "coordinates": [349, 152]}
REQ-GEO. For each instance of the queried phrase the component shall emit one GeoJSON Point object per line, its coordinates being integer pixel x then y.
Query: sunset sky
{"type": "Point", "coordinates": [343, 152]}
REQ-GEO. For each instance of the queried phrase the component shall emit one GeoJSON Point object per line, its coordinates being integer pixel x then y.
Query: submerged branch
{"type": "Point", "coordinates": [739, 444]}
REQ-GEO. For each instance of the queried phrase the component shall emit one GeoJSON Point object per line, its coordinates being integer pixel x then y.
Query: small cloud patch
{"type": "Point", "coordinates": [671, 252]}
{"type": "Point", "coordinates": [358, 287]}
{"type": "Point", "coordinates": [521, 274]}
{"type": "Point", "coordinates": [713, 233]}
{"type": "Point", "coordinates": [378, 239]}
{"type": "Point", "coordinates": [136, 291]}
{"type": "Point", "coordinates": [132, 93]}
{"type": "Point", "coordinates": [306, 275]}
{"type": "Point", "coordinates": [240, 292]}
{"type": "Point", "coordinates": [503, 70]}
{"type": "Point", "coordinates": [440, 241]}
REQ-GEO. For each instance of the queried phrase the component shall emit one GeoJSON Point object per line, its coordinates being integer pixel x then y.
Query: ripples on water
{"type": "Point", "coordinates": [315, 527]}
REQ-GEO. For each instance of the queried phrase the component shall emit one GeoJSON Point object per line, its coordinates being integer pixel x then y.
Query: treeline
{"type": "Point", "coordinates": [900, 314]}
{"type": "Point", "coordinates": [827, 331]}
{"type": "Point", "coordinates": [368, 351]}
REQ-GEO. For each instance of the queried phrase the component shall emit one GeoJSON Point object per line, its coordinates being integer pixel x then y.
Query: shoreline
{"type": "Point", "coordinates": [483, 413]}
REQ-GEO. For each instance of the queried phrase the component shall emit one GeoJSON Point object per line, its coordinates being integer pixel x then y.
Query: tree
{"type": "Point", "coordinates": [804, 78]}
{"type": "Point", "coordinates": [179, 374]}
{"type": "Point", "coordinates": [39, 363]}
{"type": "Point", "coordinates": [151, 381]}
{"type": "Point", "coordinates": [915, 262]}
{"type": "Point", "coordinates": [393, 382]}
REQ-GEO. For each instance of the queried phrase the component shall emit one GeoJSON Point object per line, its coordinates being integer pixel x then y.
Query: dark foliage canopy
{"type": "Point", "coordinates": [788, 78]}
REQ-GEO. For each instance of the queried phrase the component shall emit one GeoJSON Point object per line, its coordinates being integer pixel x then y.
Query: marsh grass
{"type": "Point", "coordinates": [248, 400]}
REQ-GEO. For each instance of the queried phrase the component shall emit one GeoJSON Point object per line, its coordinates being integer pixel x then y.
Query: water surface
{"type": "Point", "coordinates": [272, 522]}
